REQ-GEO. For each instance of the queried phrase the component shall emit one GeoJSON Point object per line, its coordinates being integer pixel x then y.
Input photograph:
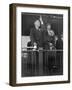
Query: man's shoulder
{"type": "Point", "coordinates": [44, 31]}
{"type": "Point", "coordinates": [32, 29]}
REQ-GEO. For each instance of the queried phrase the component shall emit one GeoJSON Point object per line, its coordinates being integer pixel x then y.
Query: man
{"type": "Point", "coordinates": [36, 35]}
{"type": "Point", "coordinates": [59, 53]}
{"type": "Point", "coordinates": [59, 43]}
{"type": "Point", "coordinates": [48, 37]}
{"type": "Point", "coordinates": [49, 45]}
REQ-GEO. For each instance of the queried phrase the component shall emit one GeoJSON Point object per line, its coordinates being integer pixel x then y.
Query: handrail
{"type": "Point", "coordinates": [40, 50]}
{"type": "Point", "coordinates": [28, 47]}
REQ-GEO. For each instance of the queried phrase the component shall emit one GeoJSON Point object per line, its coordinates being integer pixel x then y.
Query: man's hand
{"type": "Point", "coordinates": [41, 20]}
{"type": "Point", "coordinates": [50, 44]}
{"type": "Point", "coordinates": [35, 46]}
{"type": "Point", "coordinates": [40, 48]}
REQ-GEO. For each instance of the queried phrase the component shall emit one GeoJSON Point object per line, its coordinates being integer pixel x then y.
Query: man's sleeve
{"type": "Point", "coordinates": [32, 36]}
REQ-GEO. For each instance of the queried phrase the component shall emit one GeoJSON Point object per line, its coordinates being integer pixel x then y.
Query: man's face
{"type": "Point", "coordinates": [56, 38]}
{"type": "Point", "coordinates": [48, 27]}
{"type": "Point", "coordinates": [61, 36]}
{"type": "Point", "coordinates": [37, 23]}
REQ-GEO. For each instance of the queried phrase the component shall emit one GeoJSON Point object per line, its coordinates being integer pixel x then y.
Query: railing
{"type": "Point", "coordinates": [38, 62]}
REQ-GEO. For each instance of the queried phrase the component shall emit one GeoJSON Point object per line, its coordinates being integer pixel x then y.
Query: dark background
{"type": "Point", "coordinates": [56, 21]}
{"type": "Point", "coordinates": [32, 65]}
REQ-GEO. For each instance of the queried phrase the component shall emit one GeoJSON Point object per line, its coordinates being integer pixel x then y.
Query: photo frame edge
{"type": "Point", "coordinates": [12, 62]}
{"type": "Point", "coordinates": [12, 70]}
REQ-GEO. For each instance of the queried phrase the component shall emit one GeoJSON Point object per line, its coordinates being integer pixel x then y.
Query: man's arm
{"type": "Point", "coordinates": [32, 38]}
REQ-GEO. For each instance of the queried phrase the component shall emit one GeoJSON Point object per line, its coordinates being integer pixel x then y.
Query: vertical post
{"type": "Point", "coordinates": [40, 62]}
{"type": "Point", "coordinates": [32, 58]}
{"type": "Point", "coordinates": [35, 65]}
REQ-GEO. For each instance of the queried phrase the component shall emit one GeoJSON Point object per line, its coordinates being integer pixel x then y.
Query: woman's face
{"type": "Point", "coordinates": [37, 23]}
{"type": "Point", "coordinates": [48, 27]}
